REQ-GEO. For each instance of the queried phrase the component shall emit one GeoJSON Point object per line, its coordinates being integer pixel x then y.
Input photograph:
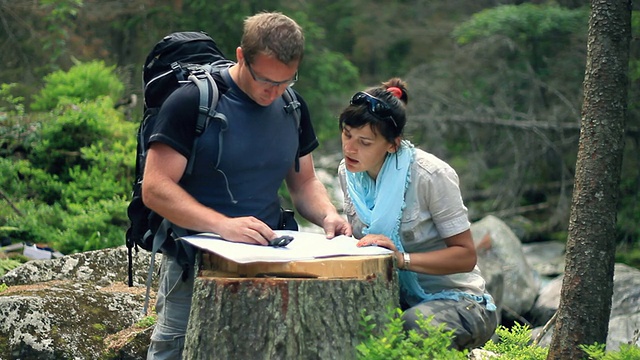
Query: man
{"type": "Point", "coordinates": [258, 146]}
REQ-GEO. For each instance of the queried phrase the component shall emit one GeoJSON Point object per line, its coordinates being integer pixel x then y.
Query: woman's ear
{"type": "Point", "coordinates": [395, 146]}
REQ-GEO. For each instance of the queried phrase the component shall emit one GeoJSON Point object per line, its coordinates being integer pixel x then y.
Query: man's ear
{"type": "Point", "coordinates": [239, 55]}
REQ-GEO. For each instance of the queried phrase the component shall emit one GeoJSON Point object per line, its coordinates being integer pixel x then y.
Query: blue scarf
{"type": "Point", "coordinates": [379, 206]}
{"type": "Point", "coordinates": [382, 214]}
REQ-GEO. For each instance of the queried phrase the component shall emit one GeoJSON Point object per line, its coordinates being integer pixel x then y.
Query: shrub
{"type": "Point", "coordinates": [72, 189]}
{"type": "Point", "coordinates": [17, 130]}
{"type": "Point", "coordinates": [626, 352]}
{"type": "Point", "coordinates": [70, 129]}
{"type": "Point", "coordinates": [515, 344]}
{"type": "Point", "coordinates": [25, 182]}
{"type": "Point", "coordinates": [38, 222]}
{"type": "Point", "coordinates": [7, 265]}
{"type": "Point", "coordinates": [83, 82]}
{"type": "Point", "coordinates": [395, 343]}
{"type": "Point", "coordinates": [91, 225]}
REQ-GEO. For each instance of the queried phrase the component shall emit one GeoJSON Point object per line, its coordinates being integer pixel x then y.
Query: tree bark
{"type": "Point", "coordinates": [585, 304]}
{"type": "Point", "coordinates": [285, 318]}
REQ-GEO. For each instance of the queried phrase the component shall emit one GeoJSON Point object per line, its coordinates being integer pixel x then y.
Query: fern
{"type": "Point", "coordinates": [395, 343]}
{"type": "Point", "coordinates": [514, 344]}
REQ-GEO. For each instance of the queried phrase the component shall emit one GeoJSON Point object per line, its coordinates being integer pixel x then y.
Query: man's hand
{"type": "Point", "coordinates": [246, 230]}
{"type": "Point", "coordinates": [334, 224]}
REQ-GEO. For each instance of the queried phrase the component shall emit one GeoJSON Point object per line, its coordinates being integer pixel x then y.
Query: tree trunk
{"type": "Point", "coordinates": [287, 318]}
{"type": "Point", "coordinates": [585, 304]}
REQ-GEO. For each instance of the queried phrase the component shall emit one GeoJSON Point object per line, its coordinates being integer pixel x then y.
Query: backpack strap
{"type": "Point", "coordinates": [158, 240]}
{"type": "Point", "coordinates": [293, 107]}
{"type": "Point", "coordinates": [183, 253]}
{"type": "Point", "coordinates": [206, 110]}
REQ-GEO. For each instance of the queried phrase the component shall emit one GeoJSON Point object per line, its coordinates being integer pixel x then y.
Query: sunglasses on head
{"type": "Point", "coordinates": [376, 107]}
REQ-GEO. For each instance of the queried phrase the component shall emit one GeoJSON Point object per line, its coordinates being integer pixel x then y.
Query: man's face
{"type": "Point", "coordinates": [265, 78]}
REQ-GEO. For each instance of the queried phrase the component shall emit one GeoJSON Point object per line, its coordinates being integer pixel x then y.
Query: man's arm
{"type": "Point", "coordinates": [312, 201]}
{"type": "Point", "coordinates": [162, 194]}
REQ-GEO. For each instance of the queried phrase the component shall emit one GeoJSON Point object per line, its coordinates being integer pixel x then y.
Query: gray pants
{"type": "Point", "coordinates": [471, 322]}
{"type": "Point", "coordinates": [173, 304]}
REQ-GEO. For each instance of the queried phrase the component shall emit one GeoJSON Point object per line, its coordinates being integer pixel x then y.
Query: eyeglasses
{"type": "Point", "coordinates": [271, 83]}
{"type": "Point", "coordinates": [376, 107]}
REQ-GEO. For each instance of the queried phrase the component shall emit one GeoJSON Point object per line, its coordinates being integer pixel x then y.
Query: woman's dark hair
{"type": "Point", "coordinates": [393, 94]}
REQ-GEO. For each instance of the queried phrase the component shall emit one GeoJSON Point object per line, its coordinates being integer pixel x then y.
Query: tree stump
{"type": "Point", "coordinates": [296, 310]}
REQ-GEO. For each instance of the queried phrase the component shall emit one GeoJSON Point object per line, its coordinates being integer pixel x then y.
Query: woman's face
{"type": "Point", "coordinates": [364, 150]}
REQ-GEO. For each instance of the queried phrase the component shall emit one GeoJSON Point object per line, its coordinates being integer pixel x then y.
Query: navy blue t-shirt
{"type": "Point", "coordinates": [258, 149]}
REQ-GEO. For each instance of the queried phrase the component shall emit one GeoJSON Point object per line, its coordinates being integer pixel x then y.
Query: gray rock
{"type": "Point", "coordinates": [500, 252]}
{"type": "Point", "coordinates": [625, 307]}
{"type": "Point", "coordinates": [75, 307]}
{"type": "Point", "coordinates": [546, 258]}
{"type": "Point", "coordinates": [547, 302]}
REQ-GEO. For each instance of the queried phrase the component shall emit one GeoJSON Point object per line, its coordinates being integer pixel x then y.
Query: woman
{"type": "Point", "coordinates": [407, 200]}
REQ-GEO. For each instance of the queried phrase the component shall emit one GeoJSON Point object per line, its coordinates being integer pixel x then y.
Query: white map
{"type": "Point", "coordinates": [305, 246]}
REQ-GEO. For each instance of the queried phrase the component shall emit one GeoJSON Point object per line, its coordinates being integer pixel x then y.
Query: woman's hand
{"type": "Point", "coordinates": [377, 239]}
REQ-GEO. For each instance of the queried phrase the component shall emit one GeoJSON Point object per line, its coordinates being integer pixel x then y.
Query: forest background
{"type": "Point", "coordinates": [495, 90]}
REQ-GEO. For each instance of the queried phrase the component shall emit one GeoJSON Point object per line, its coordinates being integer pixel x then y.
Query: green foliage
{"type": "Point", "coordinates": [7, 265]}
{"type": "Point", "coordinates": [70, 129]}
{"type": "Point", "coordinates": [84, 81]}
{"type": "Point", "coordinates": [38, 222]}
{"type": "Point", "coordinates": [3, 287]}
{"type": "Point", "coordinates": [634, 63]}
{"type": "Point", "coordinates": [146, 322]}
{"type": "Point", "coordinates": [629, 255]}
{"type": "Point", "coordinates": [395, 343]}
{"type": "Point", "coordinates": [78, 227]}
{"type": "Point", "coordinates": [91, 226]}
{"type": "Point", "coordinates": [99, 327]}
{"type": "Point", "coordinates": [514, 344]}
{"type": "Point", "coordinates": [523, 23]}
{"type": "Point", "coordinates": [535, 31]}
{"type": "Point", "coordinates": [91, 184]}
{"type": "Point", "coordinates": [327, 78]}
{"type": "Point", "coordinates": [59, 18]}
{"type": "Point", "coordinates": [626, 352]}
{"type": "Point", "coordinates": [17, 130]}
{"type": "Point", "coordinates": [23, 181]}
{"type": "Point", "coordinates": [73, 189]}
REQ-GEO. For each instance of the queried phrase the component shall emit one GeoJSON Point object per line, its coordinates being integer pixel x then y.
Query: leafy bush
{"type": "Point", "coordinates": [17, 130]}
{"type": "Point", "coordinates": [7, 265]}
{"type": "Point", "coordinates": [91, 226]}
{"type": "Point", "coordinates": [523, 23]}
{"type": "Point", "coordinates": [83, 82]}
{"type": "Point", "coordinates": [626, 352]}
{"type": "Point", "coordinates": [72, 190]}
{"type": "Point", "coordinates": [108, 174]}
{"type": "Point", "coordinates": [395, 343]}
{"type": "Point", "coordinates": [23, 181]}
{"type": "Point", "coordinates": [147, 321]}
{"type": "Point", "coordinates": [70, 129]}
{"type": "Point", "coordinates": [515, 344]}
{"type": "Point", "coordinates": [37, 222]}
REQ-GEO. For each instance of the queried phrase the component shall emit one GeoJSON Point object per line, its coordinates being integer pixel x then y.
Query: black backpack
{"type": "Point", "coordinates": [177, 59]}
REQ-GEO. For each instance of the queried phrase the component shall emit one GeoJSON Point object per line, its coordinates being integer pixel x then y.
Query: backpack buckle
{"type": "Point", "coordinates": [197, 71]}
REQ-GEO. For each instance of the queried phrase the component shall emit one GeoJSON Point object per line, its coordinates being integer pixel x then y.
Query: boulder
{"type": "Point", "coordinates": [625, 308]}
{"type": "Point", "coordinates": [500, 255]}
{"type": "Point", "coordinates": [546, 258]}
{"type": "Point", "coordinates": [75, 307]}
